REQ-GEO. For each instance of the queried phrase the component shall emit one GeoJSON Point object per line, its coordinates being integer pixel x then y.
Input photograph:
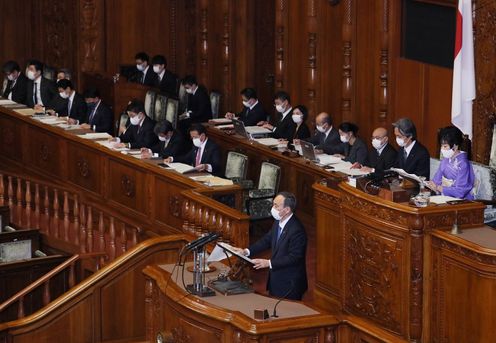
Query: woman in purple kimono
{"type": "Point", "coordinates": [455, 176]}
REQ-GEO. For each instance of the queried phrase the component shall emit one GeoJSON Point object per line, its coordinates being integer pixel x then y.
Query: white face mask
{"type": "Point", "coordinates": [11, 77]}
{"type": "Point", "coordinates": [275, 213]}
{"type": "Point", "coordinates": [64, 95]}
{"type": "Point", "coordinates": [297, 118]}
{"type": "Point", "coordinates": [400, 142]}
{"type": "Point", "coordinates": [135, 120]}
{"type": "Point", "coordinates": [377, 144]}
{"type": "Point", "coordinates": [156, 69]}
{"type": "Point", "coordinates": [280, 108]}
{"type": "Point", "coordinates": [344, 139]}
{"type": "Point", "coordinates": [31, 75]}
{"type": "Point", "coordinates": [197, 142]}
{"type": "Point", "coordinates": [163, 138]}
{"type": "Point", "coordinates": [189, 90]}
{"type": "Point", "coordinates": [140, 67]}
{"type": "Point", "coordinates": [447, 153]}
{"type": "Point", "coordinates": [246, 103]}
{"type": "Point", "coordinates": [321, 129]}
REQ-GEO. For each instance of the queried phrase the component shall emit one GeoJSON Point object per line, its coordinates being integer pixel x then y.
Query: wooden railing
{"type": "Point", "coordinates": [69, 265]}
{"type": "Point", "coordinates": [71, 222]}
{"type": "Point", "coordinates": [202, 214]}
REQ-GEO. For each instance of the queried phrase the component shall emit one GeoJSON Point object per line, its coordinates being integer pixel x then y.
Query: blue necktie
{"type": "Point", "coordinates": [279, 232]}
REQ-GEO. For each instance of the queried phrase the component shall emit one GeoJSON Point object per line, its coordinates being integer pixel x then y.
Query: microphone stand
{"type": "Point", "coordinates": [274, 313]}
{"type": "Point", "coordinates": [198, 287]}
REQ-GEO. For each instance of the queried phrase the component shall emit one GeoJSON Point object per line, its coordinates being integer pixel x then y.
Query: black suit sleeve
{"type": "Point", "coordinates": [297, 248]}
{"type": "Point", "coordinates": [263, 243]}
{"type": "Point", "coordinates": [423, 167]}
{"type": "Point", "coordinates": [79, 110]}
{"type": "Point", "coordinates": [214, 159]}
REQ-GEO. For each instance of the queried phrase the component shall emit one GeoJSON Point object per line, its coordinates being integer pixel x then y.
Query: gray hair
{"type": "Point", "coordinates": [66, 72]}
{"type": "Point", "coordinates": [406, 127]}
{"type": "Point", "coordinates": [289, 200]}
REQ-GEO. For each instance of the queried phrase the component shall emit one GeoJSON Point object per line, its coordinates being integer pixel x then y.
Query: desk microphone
{"type": "Point", "coordinates": [207, 238]}
{"type": "Point", "coordinates": [274, 313]}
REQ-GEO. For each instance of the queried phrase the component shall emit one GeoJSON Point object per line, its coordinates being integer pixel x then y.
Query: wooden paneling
{"type": "Point", "coordinates": [45, 152]}
{"type": "Point", "coordinates": [84, 168]}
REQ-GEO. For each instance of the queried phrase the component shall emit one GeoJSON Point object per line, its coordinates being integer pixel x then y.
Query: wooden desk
{"type": "Point", "coordinates": [136, 189]}
{"type": "Point", "coordinates": [188, 318]}
{"type": "Point", "coordinates": [373, 255]}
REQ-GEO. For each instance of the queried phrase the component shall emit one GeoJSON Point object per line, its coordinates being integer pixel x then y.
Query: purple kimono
{"type": "Point", "coordinates": [456, 175]}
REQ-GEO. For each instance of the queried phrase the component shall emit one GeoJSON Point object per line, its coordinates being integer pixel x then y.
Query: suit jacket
{"type": "Point", "coordinates": [211, 155]}
{"type": "Point", "coordinates": [288, 272]}
{"type": "Point", "coordinates": [418, 161]}
{"type": "Point", "coordinates": [103, 119]}
{"type": "Point", "coordinates": [254, 116]}
{"type": "Point", "coordinates": [358, 152]}
{"type": "Point", "coordinates": [48, 92]}
{"type": "Point", "coordinates": [168, 84]}
{"type": "Point", "coordinates": [285, 128]}
{"type": "Point", "coordinates": [199, 105]}
{"type": "Point", "coordinates": [176, 147]}
{"type": "Point", "coordinates": [330, 145]}
{"type": "Point", "coordinates": [140, 136]}
{"type": "Point", "coordinates": [384, 161]}
{"type": "Point", "coordinates": [302, 132]}
{"type": "Point", "coordinates": [151, 77]}
{"type": "Point", "coordinates": [78, 109]}
{"type": "Point", "coordinates": [19, 91]}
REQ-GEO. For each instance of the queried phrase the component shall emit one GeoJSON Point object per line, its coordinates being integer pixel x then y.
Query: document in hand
{"type": "Point", "coordinates": [406, 175]}
{"type": "Point", "coordinates": [230, 250]}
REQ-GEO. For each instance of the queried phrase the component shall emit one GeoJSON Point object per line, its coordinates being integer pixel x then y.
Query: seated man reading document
{"type": "Point", "coordinates": [382, 156]}
{"type": "Point", "coordinates": [205, 154]}
{"type": "Point", "coordinates": [284, 127]}
{"type": "Point", "coordinates": [252, 112]}
{"type": "Point", "coordinates": [326, 137]}
{"type": "Point", "coordinates": [287, 241]}
{"type": "Point", "coordinates": [140, 133]}
{"type": "Point", "coordinates": [455, 176]}
{"type": "Point", "coordinates": [171, 142]}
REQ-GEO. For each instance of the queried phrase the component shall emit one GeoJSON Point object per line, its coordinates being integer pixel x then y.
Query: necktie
{"type": "Point", "coordinates": [92, 115]}
{"type": "Point", "coordinates": [405, 155]}
{"type": "Point", "coordinates": [35, 94]}
{"type": "Point", "coordinates": [142, 77]}
{"type": "Point", "coordinates": [198, 157]}
{"type": "Point", "coordinates": [279, 232]}
{"type": "Point", "coordinates": [69, 106]}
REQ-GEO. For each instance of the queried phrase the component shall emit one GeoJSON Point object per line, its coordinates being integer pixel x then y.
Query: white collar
{"type": "Point", "coordinates": [283, 223]}
{"type": "Point", "coordinates": [161, 75]}
{"type": "Point", "coordinates": [328, 131]}
{"type": "Point", "coordinates": [379, 151]}
{"type": "Point", "coordinates": [71, 98]}
{"type": "Point", "coordinates": [146, 69]}
{"type": "Point", "coordinates": [409, 148]}
{"type": "Point", "coordinates": [38, 80]}
{"type": "Point", "coordinates": [286, 112]}
{"type": "Point", "coordinates": [255, 104]}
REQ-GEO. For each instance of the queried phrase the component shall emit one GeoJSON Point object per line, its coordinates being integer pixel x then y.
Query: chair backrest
{"type": "Point", "coordinates": [183, 98]}
{"type": "Point", "coordinates": [160, 107]}
{"type": "Point", "coordinates": [215, 103]}
{"type": "Point", "coordinates": [236, 165]}
{"type": "Point", "coordinates": [172, 111]}
{"type": "Point", "coordinates": [269, 176]}
{"type": "Point", "coordinates": [49, 73]}
{"type": "Point", "coordinates": [122, 121]}
{"type": "Point", "coordinates": [150, 103]}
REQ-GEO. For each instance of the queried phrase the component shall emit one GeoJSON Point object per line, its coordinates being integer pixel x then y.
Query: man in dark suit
{"type": "Point", "coordinates": [284, 127]}
{"type": "Point", "coordinates": [287, 241]}
{"type": "Point", "coordinates": [143, 73]}
{"type": "Point", "coordinates": [15, 89]}
{"type": "Point", "coordinates": [140, 133]}
{"type": "Point", "coordinates": [76, 106]}
{"type": "Point", "coordinates": [205, 154]}
{"type": "Point", "coordinates": [40, 91]}
{"type": "Point", "coordinates": [100, 116]}
{"type": "Point", "coordinates": [383, 156]}
{"type": "Point", "coordinates": [413, 157]}
{"type": "Point", "coordinates": [166, 80]}
{"type": "Point", "coordinates": [252, 112]}
{"type": "Point", "coordinates": [199, 109]}
{"type": "Point", "coordinates": [326, 137]}
{"type": "Point", "coordinates": [171, 142]}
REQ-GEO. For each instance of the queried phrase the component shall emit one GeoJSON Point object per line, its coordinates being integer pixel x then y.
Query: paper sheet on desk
{"type": "Point", "coordinates": [441, 199]}
{"type": "Point", "coordinates": [226, 126]}
{"type": "Point", "coordinates": [328, 159]}
{"type": "Point", "coordinates": [403, 173]}
{"type": "Point", "coordinates": [257, 130]}
{"type": "Point", "coordinates": [345, 168]}
{"type": "Point", "coordinates": [25, 111]}
{"type": "Point", "coordinates": [181, 167]}
{"type": "Point", "coordinates": [96, 135]}
{"type": "Point", "coordinates": [53, 121]}
{"type": "Point", "coordinates": [6, 102]}
{"type": "Point", "coordinates": [218, 121]}
{"type": "Point", "coordinates": [267, 141]}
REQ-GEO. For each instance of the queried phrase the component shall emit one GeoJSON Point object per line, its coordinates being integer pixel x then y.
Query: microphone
{"type": "Point", "coordinates": [209, 237]}
{"type": "Point", "coordinates": [274, 313]}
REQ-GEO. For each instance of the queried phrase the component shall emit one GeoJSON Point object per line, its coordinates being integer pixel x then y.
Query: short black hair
{"type": "Point", "coordinates": [37, 65]}
{"type": "Point", "coordinates": [327, 119]}
{"type": "Point", "coordinates": [198, 128]}
{"type": "Point", "coordinates": [451, 135]}
{"type": "Point", "coordinates": [189, 80]}
{"type": "Point", "coordinates": [249, 93]}
{"type": "Point", "coordinates": [66, 72]}
{"type": "Point", "coordinates": [91, 93]}
{"type": "Point", "coordinates": [282, 95]}
{"type": "Point", "coordinates": [304, 110]}
{"type": "Point", "coordinates": [406, 127]}
{"type": "Point", "coordinates": [64, 83]}
{"type": "Point", "coordinates": [289, 200]}
{"type": "Point", "coordinates": [10, 66]}
{"type": "Point", "coordinates": [159, 59]}
{"type": "Point", "coordinates": [142, 56]}
{"type": "Point", "coordinates": [163, 126]}
{"type": "Point", "coordinates": [136, 106]}
{"type": "Point", "coordinates": [349, 127]}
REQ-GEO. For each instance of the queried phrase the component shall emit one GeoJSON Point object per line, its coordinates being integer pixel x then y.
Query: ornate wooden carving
{"type": "Point", "coordinates": [384, 63]}
{"type": "Point", "coordinates": [90, 35]}
{"type": "Point", "coordinates": [226, 41]}
{"type": "Point", "coordinates": [373, 270]}
{"type": "Point", "coordinates": [180, 335]}
{"type": "Point", "coordinates": [416, 277]}
{"type": "Point", "coordinates": [204, 41]}
{"type": "Point", "coordinates": [173, 33]}
{"type": "Point", "coordinates": [371, 209]}
{"type": "Point", "coordinates": [83, 167]}
{"type": "Point", "coordinates": [56, 44]}
{"type": "Point", "coordinates": [485, 103]}
{"type": "Point", "coordinates": [44, 152]}
{"type": "Point", "coordinates": [312, 57]}
{"type": "Point", "coordinates": [128, 186]}
{"type": "Point", "coordinates": [346, 100]}
{"type": "Point", "coordinates": [281, 15]}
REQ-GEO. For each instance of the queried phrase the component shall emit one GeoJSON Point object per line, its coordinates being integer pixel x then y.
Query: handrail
{"type": "Point", "coordinates": [19, 296]}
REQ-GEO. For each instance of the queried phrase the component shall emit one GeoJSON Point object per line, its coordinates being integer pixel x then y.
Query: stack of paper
{"type": "Point", "coordinates": [96, 135]}
{"type": "Point", "coordinates": [181, 167]}
{"type": "Point", "coordinates": [53, 120]}
{"type": "Point", "coordinates": [25, 111]}
{"type": "Point", "coordinates": [227, 127]}
{"type": "Point", "coordinates": [218, 181]}
{"type": "Point", "coordinates": [220, 121]}
{"type": "Point", "coordinates": [268, 141]}
{"type": "Point", "coordinates": [403, 173]}
{"type": "Point", "coordinates": [328, 159]}
{"type": "Point", "coordinates": [257, 130]}
{"type": "Point", "coordinates": [6, 102]}
{"type": "Point", "coordinates": [441, 199]}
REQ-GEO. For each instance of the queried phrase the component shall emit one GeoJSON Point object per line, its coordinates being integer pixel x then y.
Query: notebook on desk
{"type": "Point", "coordinates": [239, 128]}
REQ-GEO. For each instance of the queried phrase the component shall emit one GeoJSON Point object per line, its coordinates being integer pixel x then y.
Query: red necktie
{"type": "Point", "coordinates": [198, 157]}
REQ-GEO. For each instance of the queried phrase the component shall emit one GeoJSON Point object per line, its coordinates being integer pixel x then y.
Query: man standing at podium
{"type": "Point", "coordinates": [288, 242]}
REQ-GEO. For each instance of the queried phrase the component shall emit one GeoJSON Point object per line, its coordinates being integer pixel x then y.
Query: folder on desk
{"type": "Point", "coordinates": [181, 168]}
{"type": "Point", "coordinates": [96, 135]}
